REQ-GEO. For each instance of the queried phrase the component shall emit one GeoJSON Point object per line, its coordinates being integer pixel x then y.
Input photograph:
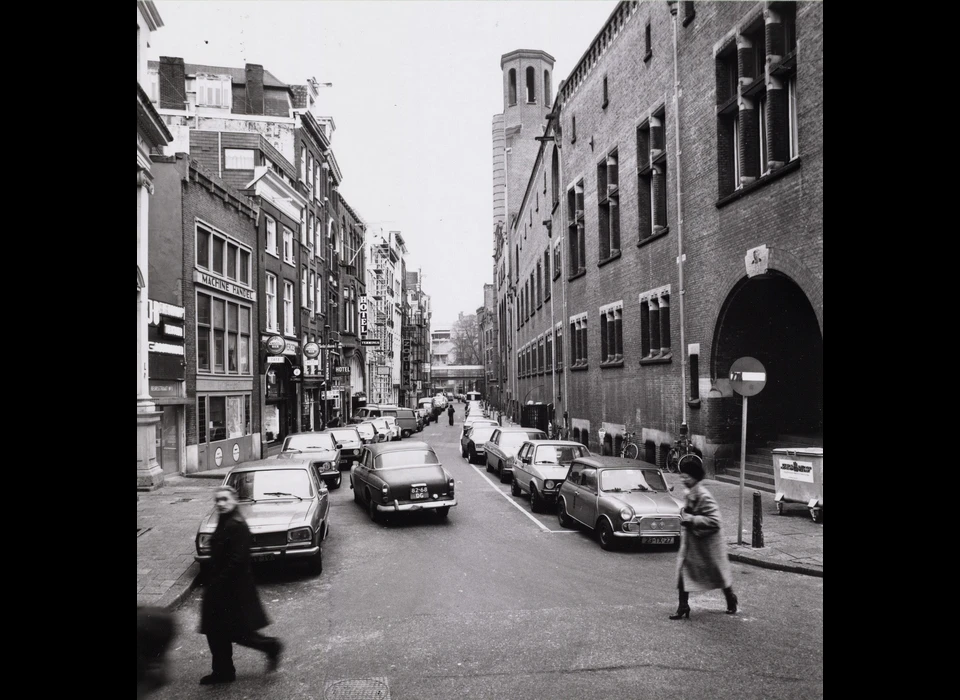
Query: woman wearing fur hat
{"type": "Point", "coordinates": [702, 564]}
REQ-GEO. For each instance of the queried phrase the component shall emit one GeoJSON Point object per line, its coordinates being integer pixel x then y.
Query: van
{"type": "Point", "coordinates": [368, 412]}
{"type": "Point", "coordinates": [406, 419]}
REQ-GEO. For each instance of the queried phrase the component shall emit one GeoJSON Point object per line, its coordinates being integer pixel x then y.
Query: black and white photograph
{"type": "Point", "coordinates": [479, 349]}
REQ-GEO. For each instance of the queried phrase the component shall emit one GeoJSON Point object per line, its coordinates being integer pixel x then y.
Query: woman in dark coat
{"type": "Point", "coordinates": [231, 612]}
{"type": "Point", "coordinates": [450, 413]}
{"type": "Point", "coordinates": [702, 564]}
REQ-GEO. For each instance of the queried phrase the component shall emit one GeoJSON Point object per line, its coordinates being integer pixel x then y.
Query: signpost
{"type": "Point", "coordinates": [747, 378]}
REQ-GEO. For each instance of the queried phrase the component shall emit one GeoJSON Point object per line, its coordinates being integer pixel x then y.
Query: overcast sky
{"type": "Point", "coordinates": [415, 85]}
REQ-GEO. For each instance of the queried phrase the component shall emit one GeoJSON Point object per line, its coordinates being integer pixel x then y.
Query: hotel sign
{"type": "Point", "coordinates": [223, 285]}
{"type": "Point", "coordinates": [363, 311]}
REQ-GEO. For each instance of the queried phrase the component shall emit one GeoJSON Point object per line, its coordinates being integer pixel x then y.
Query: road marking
{"type": "Point", "coordinates": [513, 502]}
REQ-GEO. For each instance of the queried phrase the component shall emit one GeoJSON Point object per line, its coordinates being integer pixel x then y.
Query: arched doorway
{"type": "Point", "coordinates": [770, 318]}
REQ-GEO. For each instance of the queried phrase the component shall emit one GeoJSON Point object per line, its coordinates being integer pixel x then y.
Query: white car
{"type": "Point", "coordinates": [388, 425]}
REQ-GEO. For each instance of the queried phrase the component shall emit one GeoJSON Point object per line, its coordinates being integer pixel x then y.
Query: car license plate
{"type": "Point", "coordinates": [418, 492]}
{"type": "Point", "coordinates": [656, 540]}
{"type": "Point", "coordinates": [266, 556]}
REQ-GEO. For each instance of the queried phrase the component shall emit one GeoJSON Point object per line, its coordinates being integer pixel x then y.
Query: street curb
{"type": "Point", "coordinates": [171, 604]}
{"type": "Point", "coordinates": [776, 566]}
{"type": "Point", "coordinates": [203, 475]}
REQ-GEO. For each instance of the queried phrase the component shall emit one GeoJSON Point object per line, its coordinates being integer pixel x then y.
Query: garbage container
{"type": "Point", "coordinates": [798, 478]}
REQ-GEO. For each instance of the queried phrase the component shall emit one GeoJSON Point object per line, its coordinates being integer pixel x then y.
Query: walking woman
{"type": "Point", "coordinates": [450, 414]}
{"type": "Point", "coordinates": [702, 564]}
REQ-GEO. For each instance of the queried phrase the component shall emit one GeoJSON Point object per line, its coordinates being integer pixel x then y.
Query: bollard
{"type": "Point", "coordinates": [757, 520]}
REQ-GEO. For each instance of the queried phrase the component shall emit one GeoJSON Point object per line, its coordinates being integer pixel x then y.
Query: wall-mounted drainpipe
{"type": "Point", "coordinates": [680, 260]}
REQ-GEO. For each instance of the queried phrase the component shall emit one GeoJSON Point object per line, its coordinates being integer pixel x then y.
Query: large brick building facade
{"type": "Point", "coordinates": [647, 296]}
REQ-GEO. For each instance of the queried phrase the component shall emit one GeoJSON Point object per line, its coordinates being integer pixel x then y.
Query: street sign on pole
{"type": "Point", "coordinates": [747, 378]}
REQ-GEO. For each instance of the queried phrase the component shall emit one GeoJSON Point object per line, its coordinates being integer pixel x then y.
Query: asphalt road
{"type": "Point", "coordinates": [499, 603]}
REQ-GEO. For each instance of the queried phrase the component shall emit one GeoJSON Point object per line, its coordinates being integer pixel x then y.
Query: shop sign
{"type": "Point", "coordinates": [311, 351]}
{"type": "Point", "coordinates": [166, 348]}
{"type": "Point", "coordinates": [426, 367]}
{"type": "Point", "coordinates": [384, 370]}
{"type": "Point", "coordinates": [290, 348]}
{"type": "Point", "coordinates": [276, 359]}
{"type": "Point", "coordinates": [362, 310]}
{"type": "Point", "coordinates": [223, 285]}
{"type": "Point", "coordinates": [156, 309]}
{"type": "Point", "coordinates": [342, 369]}
{"type": "Point", "coordinates": [296, 374]}
{"type": "Point", "coordinates": [164, 389]}
{"type": "Point", "coordinates": [174, 331]}
{"type": "Point", "coordinates": [275, 345]}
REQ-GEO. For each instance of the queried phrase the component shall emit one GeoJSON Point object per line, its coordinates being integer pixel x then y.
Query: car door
{"type": "Point", "coordinates": [572, 488]}
{"type": "Point", "coordinates": [586, 507]}
{"type": "Point", "coordinates": [323, 498]}
{"type": "Point", "coordinates": [360, 470]}
{"type": "Point", "coordinates": [523, 470]}
{"type": "Point", "coordinates": [492, 449]}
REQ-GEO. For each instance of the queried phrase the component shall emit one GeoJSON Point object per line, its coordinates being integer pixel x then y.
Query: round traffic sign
{"type": "Point", "coordinates": [747, 376]}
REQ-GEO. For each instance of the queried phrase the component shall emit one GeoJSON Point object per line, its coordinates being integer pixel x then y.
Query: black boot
{"type": "Point", "coordinates": [731, 601]}
{"type": "Point", "coordinates": [683, 610]}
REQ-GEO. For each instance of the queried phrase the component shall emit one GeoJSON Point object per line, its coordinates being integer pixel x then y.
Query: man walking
{"type": "Point", "coordinates": [231, 612]}
{"type": "Point", "coordinates": [450, 413]}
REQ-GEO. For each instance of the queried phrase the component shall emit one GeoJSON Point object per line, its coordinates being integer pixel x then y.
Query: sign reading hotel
{"type": "Point", "coordinates": [362, 310]}
{"type": "Point", "coordinates": [223, 285]}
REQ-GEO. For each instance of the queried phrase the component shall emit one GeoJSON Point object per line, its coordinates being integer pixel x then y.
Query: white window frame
{"type": "Point", "coordinates": [310, 294]}
{"type": "Point", "coordinates": [288, 246]}
{"type": "Point", "coordinates": [736, 151]}
{"type": "Point", "coordinates": [288, 292]}
{"type": "Point", "coordinates": [304, 293]}
{"type": "Point", "coordinates": [272, 237]}
{"type": "Point", "coordinates": [207, 90]}
{"type": "Point", "coordinates": [764, 144]}
{"type": "Point", "coordinates": [792, 121]}
{"type": "Point", "coordinates": [271, 294]}
{"type": "Point", "coordinates": [239, 159]}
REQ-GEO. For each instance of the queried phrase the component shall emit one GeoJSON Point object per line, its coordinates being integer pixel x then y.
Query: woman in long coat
{"type": "Point", "coordinates": [231, 612]}
{"type": "Point", "coordinates": [702, 564]}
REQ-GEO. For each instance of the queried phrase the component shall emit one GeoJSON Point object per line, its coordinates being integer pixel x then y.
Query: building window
{"type": "Point", "coordinates": [238, 159]}
{"type": "Point", "coordinates": [513, 87]}
{"type": "Point", "coordinates": [223, 336]}
{"type": "Point", "coordinates": [652, 176]}
{"type": "Point", "coordinates": [272, 237]}
{"type": "Point", "coordinates": [546, 88]}
{"type": "Point", "coordinates": [541, 356]}
{"type": "Point", "coordinates": [222, 256]}
{"type": "Point", "coordinates": [578, 244]}
{"type": "Point", "coordinates": [548, 346]}
{"type": "Point", "coordinates": [608, 194]}
{"type": "Point", "coordinates": [546, 274]}
{"type": "Point", "coordinates": [611, 335]}
{"type": "Point", "coordinates": [319, 292]}
{"type": "Point", "coordinates": [558, 333]}
{"type": "Point", "coordinates": [695, 374]}
{"type": "Point", "coordinates": [201, 419]}
{"type": "Point", "coordinates": [555, 176]}
{"type": "Point", "coordinates": [308, 292]}
{"type": "Point", "coordinates": [229, 417]}
{"type": "Point", "coordinates": [689, 12]}
{"type": "Point", "coordinates": [557, 262]}
{"type": "Point", "coordinates": [311, 173]}
{"type": "Point", "coordinates": [578, 341]}
{"type": "Point", "coordinates": [288, 246]}
{"type": "Point", "coordinates": [531, 85]}
{"type": "Point", "coordinates": [303, 162]}
{"type": "Point", "coordinates": [288, 307]}
{"type": "Point", "coordinates": [539, 285]}
{"type": "Point", "coordinates": [213, 92]}
{"type": "Point", "coordinates": [272, 303]}
{"type": "Point", "coordinates": [304, 288]}
{"type": "Point", "coordinates": [606, 94]}
{"type": "Point", "coordinates": [647, 43]}
{"type": "Point", "coordinates": [573, 128]}
{"type": "Point", "coordinates": [655, 324]}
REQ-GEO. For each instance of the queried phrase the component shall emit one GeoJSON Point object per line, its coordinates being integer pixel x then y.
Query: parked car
{"type": "Point", "coordinates": [473, 421]}
{"type": "Point", "coordinates": [404, 417]}
{"type": "Point", "coordinates": [401, 478]}
{"type": "Point", "coordinates": [286, 505]}
{"type": "Point", "coordinates": [423, 418]}
{"type": "Point", "coordinates": [474, 408]}
{"type": "Point", "coordinates": [350, 442]}
{"type": "Point", "coordinates": [620, 499]}
{"type": "Point", "coordinates": [370, 433]}
{"type": "Point", "coordinates": [540, 468]}
{"type": "Point", "coordinates": [392, 426]}
{"type": "Point", "coordinates": [322, 451]}
{"type": "Point", "coordinates": [473, 444]}
{"type": "Point", "coordinates": [501, 449]}
{"type": "Point", "coordinates": [432, 412]}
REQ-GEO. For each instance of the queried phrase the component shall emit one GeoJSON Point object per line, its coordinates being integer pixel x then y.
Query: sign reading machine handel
{"type": "Point", "coordinates": [795, 470]}
{"type": "Point", "coordinates": [747, 378]}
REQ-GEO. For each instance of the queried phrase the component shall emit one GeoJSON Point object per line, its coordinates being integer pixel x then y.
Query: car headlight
{"type": "Point", "coordinates": [626, 514]}
{"type": "Point", "coordinates": [451, 484]}
{"type": "Point", "coordinates": [203, 540]}
{"type": "Point", "coordinates": [327, 465]}
{"type": "Point", "coordinates": [300, 534]}
{"type": "Point", "coordinates": [548, 484]}
{"type": "Point", "coordinates": [385, 489]}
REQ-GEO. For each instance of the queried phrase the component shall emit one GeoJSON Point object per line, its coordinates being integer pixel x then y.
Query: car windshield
{"type": "Point", "coordinates": [344, 435]}
{"type": "Point", "coordinates": [559, 454]}
{"type": "Point", "coordinates": [317, 441]}
{"type": "Point", "coordinates": [406, 458]}
{"type": "Point", "coordinates": [381, 424]}
{"type": "Point", "coordinates": [482, 433]}
{"type": "Point", "coordinates": [632, 480]}
{"type": "Point", "coordinates": [366, 430]}
{"type": "Point", "coordinates": [271, 484]}
{"type": "Point", "coordinates": [390, 420]}
{"type": "Point", "coordinates": [512, 441]}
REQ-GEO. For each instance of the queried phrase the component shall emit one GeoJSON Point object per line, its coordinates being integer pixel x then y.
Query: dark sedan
{"type": "Point", "coordinates": [349, 442]}
{"type": "Point", "coordinates": [322, 451]}
{"type": "Point", "coordinates": [399, 478]}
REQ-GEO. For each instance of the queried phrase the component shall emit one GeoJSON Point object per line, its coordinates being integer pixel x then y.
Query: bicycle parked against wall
{"type": "Point", "coordinates": [629, 449]}
{"type": "Point", "coordinates": [681, 448]}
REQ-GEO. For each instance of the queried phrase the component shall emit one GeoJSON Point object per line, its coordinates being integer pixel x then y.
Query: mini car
{"type": "Point", "coordinates": [540, 468]}
{"type": "Point", "coordinates": [388, 431]}
{"type": "Point", "coordinates": [350, 442]}
{"type": "Point", "coordinates": [501, 449]}
{"type": "Point", "coordinates": [286, 505]}
{"type": "Point", "coordinates": [369, 432]}
{"type": "Point", "coordinates": [474, 440]}
{"type": "Point", "coordinates": [620, 500]}
{"type": "Point", "coordinates": [322, 451]}
{"type": "Point", "coordinates": [402, 478]}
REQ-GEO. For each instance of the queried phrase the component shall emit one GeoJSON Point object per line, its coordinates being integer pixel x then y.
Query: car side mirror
{"type": "Point", "coordinates": [672, 488]}
{"type": "Point", "coordinates": [339, 446]}
{"type": "Point", "coordinates": [525, 460]}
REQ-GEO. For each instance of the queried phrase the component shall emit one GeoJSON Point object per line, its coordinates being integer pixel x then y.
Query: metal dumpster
{"type": "Point", "coordinates": [798, 478]}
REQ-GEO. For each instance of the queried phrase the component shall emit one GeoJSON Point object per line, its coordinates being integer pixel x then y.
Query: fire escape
{"type": "Point", "coordinates": [381, 261]}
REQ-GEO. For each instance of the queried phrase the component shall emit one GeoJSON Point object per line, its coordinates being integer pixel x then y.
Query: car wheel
{"type": "Point", "coordinates": [316, 561]}
{"type": "Point", "coordinates": [443, 512]}
{"type": "Point", "coordinates": [536, 504]}
{"type": "Point", "coordinates": [488, 467]}
{"type": "Point", "coordinates": [335, 482]}
{"type": "Point", "coordinates": [607, 541]}
{"type": "Point", "coordinates": [515, 488]}
{"type": "Point", "coordinates": [562, 516]}
{"type": "Point", "coordinates": [472, 457]}
{"type": "Point", "coordinates": [372, 508]}
{"type": "Point", "coordinates": [504, 475]}
{"type": "Point", "coordinates": [356, 492]}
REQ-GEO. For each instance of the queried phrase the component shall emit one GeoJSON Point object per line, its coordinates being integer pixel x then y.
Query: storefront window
{"type": "Point", "coordinates": [218, 418]}
{"type": "Point", "coordinates": [202, 419]}
{"type": "Point", "coordinates": [234, 416]}
{"type": "Point", "coordinates": [271, 422]}
{"type": "Point", "coordinates": [244, 341]}
{"type": "Point", "coordinates": [227, 327]}
{"type": "Point", "coordinates": [218, 334]}
{"type": "Point", "coordinates": [203, 332]}
{"type": "Point", "coordinates": [232, 328]}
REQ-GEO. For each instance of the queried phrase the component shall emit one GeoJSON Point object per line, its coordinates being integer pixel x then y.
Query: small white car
{"type": "Point", "coordinates": [540, 468]}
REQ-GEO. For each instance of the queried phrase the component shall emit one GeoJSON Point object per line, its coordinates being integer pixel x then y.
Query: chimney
{"type": "Point", "coordinates": [255, 101]}
{"type": "Point", "coordinates": [299, 93]}
{"type": "Point", "coordinates": [173, 83]}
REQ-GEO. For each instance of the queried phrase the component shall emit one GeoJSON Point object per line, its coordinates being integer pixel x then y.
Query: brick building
{"type": "Point", "coordinates": [647, 295]}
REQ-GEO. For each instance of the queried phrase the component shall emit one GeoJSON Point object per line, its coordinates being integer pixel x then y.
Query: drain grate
{"type": "Point", "coordinates": [357, 689]}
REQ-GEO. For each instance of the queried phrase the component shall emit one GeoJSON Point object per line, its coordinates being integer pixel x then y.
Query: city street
{"type": "Point", "coordinates": [496, 602]}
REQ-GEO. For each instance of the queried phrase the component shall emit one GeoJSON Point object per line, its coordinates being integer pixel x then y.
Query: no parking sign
{"type": "Point", "coordinates": [747, 378]}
